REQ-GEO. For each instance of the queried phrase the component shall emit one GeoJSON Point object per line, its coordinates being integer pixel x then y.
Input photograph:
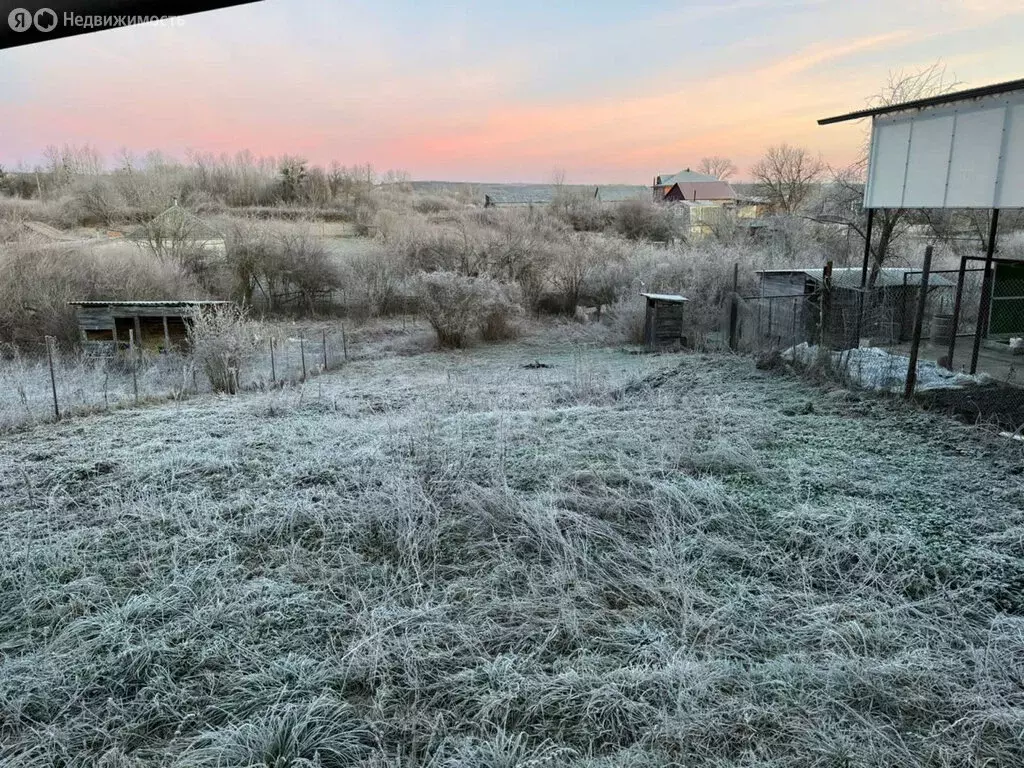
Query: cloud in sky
{"type": "Point", "coordinates": [498, 91]}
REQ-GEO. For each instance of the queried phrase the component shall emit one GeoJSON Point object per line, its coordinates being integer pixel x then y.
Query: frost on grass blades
{"type": "Point", "coordinates": [453, 560]}
{"type": "Point", "coordinates": [877, 369]}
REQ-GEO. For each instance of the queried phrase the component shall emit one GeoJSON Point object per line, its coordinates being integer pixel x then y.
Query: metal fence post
{"type": "Point", "coordinates": [273, 365]}
{"type": "Point", "coordinates": [323, 343]}
{"type": "Point", "coordinates": [53, 377]}
{"type": "Point", "coordinates": [344, 343]}
{"type": "Point", "coordinates": [826, 304]}
{"type": "Point", "coordinates": [734, 307]}
{"type": "Point", "coordinates": [915, 342]}
{"type": "Point", "coordinates": [864, 274]}
{"type": "Point", "coordinates": [957, 301]}
{"type": "Point", "coordinates": [796, 310]}
{"type": "Point", "coordinates": [986, 292]}
{"type": "Point", "coordinates": [302, 354]}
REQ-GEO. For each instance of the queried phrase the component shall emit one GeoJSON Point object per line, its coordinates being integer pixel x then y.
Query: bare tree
{"type": "Point", "coordinates": [67, 163]}
{"type": "Point", "coordinates": [720, 167]}
{"type": "Point", "coordinates": [786, 176]}
{"type": "Point", "coordinates": [843, 203]}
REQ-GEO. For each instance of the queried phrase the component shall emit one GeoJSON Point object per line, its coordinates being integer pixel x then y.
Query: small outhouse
{"type": "Point", "coordinates": [663, 323]}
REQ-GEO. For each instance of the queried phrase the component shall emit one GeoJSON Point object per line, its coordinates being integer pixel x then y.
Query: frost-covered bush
{"type": "Point", "coordinates": [500, 310]}
{"type": "Point", "coordinates": [455, 304]}
{"type": "Point", "coordinates": [223, 340]}
{"type": "Point", "coordinates": [640, 220]}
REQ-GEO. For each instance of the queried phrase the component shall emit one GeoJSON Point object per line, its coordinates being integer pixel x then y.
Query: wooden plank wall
{"type": "Point", "coordinates": [663, 325]}
{"type": "Point", "coordinates": [171, 326]}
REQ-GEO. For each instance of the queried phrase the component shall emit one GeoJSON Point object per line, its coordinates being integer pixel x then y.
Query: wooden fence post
{"type": "Point", "coordinates": [273, 366]}
{"type": "Point", "coordinates": [132, 363]}
{"type": "Point", "coordinates": [302, 354]}
{"type": "Point", "coordinates": [53, 377]}
{"type": "Point", "coordinates": [344, 343]}
{"type": "Point", "coordinates": [323, 343]}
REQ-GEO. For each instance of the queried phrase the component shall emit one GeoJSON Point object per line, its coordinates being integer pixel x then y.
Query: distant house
{"type": "Point", "coordinates": [692, 187]}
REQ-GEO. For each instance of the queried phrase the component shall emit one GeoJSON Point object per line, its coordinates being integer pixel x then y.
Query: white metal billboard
{"type": "Point", "coordinates": [967, 154]}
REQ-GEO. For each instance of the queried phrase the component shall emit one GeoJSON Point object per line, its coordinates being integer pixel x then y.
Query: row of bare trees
{"type": "Point", "coordinates": [795, 182]}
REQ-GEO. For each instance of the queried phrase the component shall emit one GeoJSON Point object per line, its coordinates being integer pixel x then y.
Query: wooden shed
{"type": "Point", "coordinates": [663, 323]}
{"type": "Point", "coordinates": [159, 326]}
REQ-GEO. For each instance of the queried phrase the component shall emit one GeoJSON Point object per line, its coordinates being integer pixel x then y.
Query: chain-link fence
{"type": "Point", "coordinates": [45, 383]}
{"type": "Point", "coordinates": [866, 336]}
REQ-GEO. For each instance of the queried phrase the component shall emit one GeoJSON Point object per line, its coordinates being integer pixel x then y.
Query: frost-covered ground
{"type": "Point", "coordinates": [452, 560]}
{"type": "Point", "coordinates": [880, 370]}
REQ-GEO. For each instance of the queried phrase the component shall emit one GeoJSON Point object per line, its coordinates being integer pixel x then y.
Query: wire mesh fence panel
{"type": "Point", "coordinates": [30, 393]}
{"type": "Point", "coordinates": [864, 338]}
{"type": "Point", "coordinates": [775, 323]}
{"type": "Point", "coordinates": [34, 391]}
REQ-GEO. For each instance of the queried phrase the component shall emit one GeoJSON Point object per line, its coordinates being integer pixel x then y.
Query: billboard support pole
{"type": "Point", "coordinates": [986, 291]}
{"type": "Point", "coordinates": [864, 272]}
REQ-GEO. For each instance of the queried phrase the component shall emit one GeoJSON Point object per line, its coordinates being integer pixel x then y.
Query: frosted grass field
{"type": "Point", "coordinates": [451, 560]}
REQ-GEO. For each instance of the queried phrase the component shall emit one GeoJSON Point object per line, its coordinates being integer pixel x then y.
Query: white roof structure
{"type": "Point", "coordinates": [672, 297]}
{"type": "Point", "coordinates": [850, 277]}
{"type": "Point", "coordinates": [958, 150]}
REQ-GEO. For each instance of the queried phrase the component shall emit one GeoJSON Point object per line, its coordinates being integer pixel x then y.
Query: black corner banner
{"type": "Point", "coordinates": [23, 22]}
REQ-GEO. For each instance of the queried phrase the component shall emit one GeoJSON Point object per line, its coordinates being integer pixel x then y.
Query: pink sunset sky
{"type": "Point", "coordinates": [496, 91]}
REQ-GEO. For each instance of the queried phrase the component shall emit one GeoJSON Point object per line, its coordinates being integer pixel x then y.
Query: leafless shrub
{"type": "Point", "coordinates": [223, 341]}
{"type": "Point", "coordinates": [428, 204]}
{"type": "Point", "coordinates": [249, 249]}
{"type": "Point", "coordinates": [642, 220]}
{"type": "Point", "coordinates": [500, 312]}
{"type": "Point", "coordinates": [372, 281]}
{"type": "Point", "coordinates": [454, 304]}
{"type": "Point", "coordinates": [286, 265]}
{"type": "Point", "coordinates": [98, 202]}
{"type": "Point", "coordinates": [12, 219]}
{"type": "Point", "coordinates": [580, 209]}
{"type": "Point", "coordinates": [627, 316]}
{"type": "Point", "coordinates": [305, 267]}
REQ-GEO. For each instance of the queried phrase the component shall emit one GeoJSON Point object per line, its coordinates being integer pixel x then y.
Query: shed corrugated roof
{"type": "Point", "coordinates": [175, 303]}
{"type": "Point", "coordinates": [849, 277]}
{"type": "Point", "coordinates": [672, 297]}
